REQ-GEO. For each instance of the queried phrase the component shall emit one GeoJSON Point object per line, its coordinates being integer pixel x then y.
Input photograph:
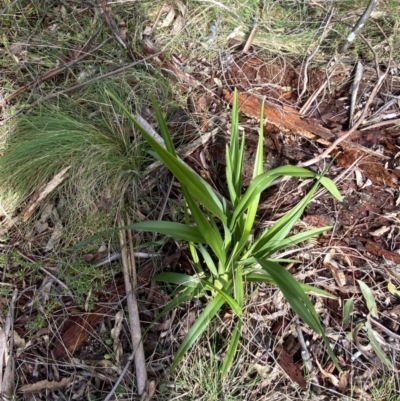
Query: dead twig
{"type": "Point", "coordinates": [115, 32]}
{"type": "Point", "coordinates": [344, 136]}
{"type": "Point", "coordinates": [99, 78]}
{"type": "Point", "coordinates": [354, 91]}
{"type": "Point", "coordinates": [121, 376]}
{"type": "Point", "coordinates": [312, 98]}
{"type": "Point", "coordinates": [129, 270]}
{"type": "Point", "coordinates": [44, 191]}
{"type": "Point", "coordinates": [381, 124]}
{"type": "Point", "coordinates": [7, 379]}
{"type": "Point", "coordinates": [250, 39]}
{"type": "Point", "coordinates": [357, 27]}
{"type": "Point", "coordinates": [314, 52]}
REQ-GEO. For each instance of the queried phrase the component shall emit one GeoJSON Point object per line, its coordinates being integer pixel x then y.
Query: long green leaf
{"type": "Point", "coordinates": [177, 278]}
{"type": "Point", "coordinates": [224, 293]}
{"type": "Point", "coordinates": [209, 262]}
{"type": "Point", "coordinates": [264, 277]}
{"type": "Point", "coordinates": [347, 311]}
{"type": "Point", "coordinates": [266, 250]}
{"type": "Point", "coordinates": [298, 300]}
{"type": "Point", "coordinates": [293, 293]}
{"type": "Point", "coordinates": [162, 126]}
{"type": "Point", "coordinates": [184, 296]}
{"type": "Point", "coordinates": [234, 155]}
{"type": "Point", "coordinates": [209, 232]}
{"type": "Point", "coordinates": [369, 299]}
{"type": "Point", "coordinates": [258, 170]}
{"type": "Point", "coordinates": [177, 231]}
{"type": "Point", "coordinates": [239, 284]}
{"type": "Point", "coordinates": [232, 348]}
{"type": "Point", "coordinates": [198, 187]}
{"type": "Point", "coordinates": [275, 234]}
{"type": "Point", "coordinates": [198, 327]}
{"type": "Point", "coordinates": [375, 345]}
{"type": "Point", "coordinates": [261, 182]}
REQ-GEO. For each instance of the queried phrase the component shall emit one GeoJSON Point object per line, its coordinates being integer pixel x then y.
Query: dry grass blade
{"type": "Point", "coordinates": [49, 74]}
{"type": "Point", "coordinates": [43, 192]}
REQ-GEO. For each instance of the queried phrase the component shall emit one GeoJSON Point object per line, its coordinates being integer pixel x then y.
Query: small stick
{"type": "Point", "coordinates": [128, 264]}
{"type": "Point", "coordinates": [308, 103]}
{"type": "Point", "coordinates": [8, 380]}
{"type": "Point", "coordinates": [381, 124]}
{"type": "Point", "coordinates": [351, 130]}
{"type": "Point", "coordinates": [314, 52]}
{"type": "Point", "coordinates": [250, 38]}
{"type": "Point", "coordinates": [354, 91]}
{"type": "Point", "coordinates": [305, 354]}
{"type": "Point", "coordinates": [121, 376]}
{"type": "Point", "coordinates": [357, 27]}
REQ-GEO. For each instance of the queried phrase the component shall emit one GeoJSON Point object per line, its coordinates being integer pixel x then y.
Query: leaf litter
{"type": "Point", "coordinates": [363, 249]}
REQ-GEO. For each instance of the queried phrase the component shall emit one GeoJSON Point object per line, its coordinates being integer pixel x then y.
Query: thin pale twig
{"type": "Point", "coordinates": [354, 91]}
{"type": "Point", "coordinates": [381, 124]}
{"type": "Point", "coordinates": [312, 98]}
{"type": "Point", "coordinates": [314, 52]}
{"type": "Point", "coordinates": [115, 32]}
{"type": "Point", "coordinates": [250, 38]}
{"type": "Point", "coordinates": [133, 312]}
{"type": "Point", "coordinates": [8, 380]}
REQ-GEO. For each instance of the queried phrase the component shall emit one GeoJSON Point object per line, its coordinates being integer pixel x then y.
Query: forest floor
{"type": "Point", "coordinates": [62, 335]}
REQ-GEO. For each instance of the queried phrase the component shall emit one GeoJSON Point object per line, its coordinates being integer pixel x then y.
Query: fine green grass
{"type": "Point", "coordinates": [86, 133]}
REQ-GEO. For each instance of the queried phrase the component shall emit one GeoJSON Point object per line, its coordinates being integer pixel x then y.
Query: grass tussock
{"type": "Point", "coordinates": [85, 132]}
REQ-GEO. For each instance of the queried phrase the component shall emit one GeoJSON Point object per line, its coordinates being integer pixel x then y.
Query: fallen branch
{"type": "Point", "coordinates": [287, 119]}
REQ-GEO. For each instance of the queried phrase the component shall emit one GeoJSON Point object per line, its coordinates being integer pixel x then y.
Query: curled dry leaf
{"type": "Point", "coordinates": [380, 231]}
{"type": "Point", "coordinates": [168, 19]}
{"type": "Point", "coordinates": [115, 332]}
{"type": "Point", "coordinates": [334, 267]}
{"type": "Point", "coordinates": [359, 178]}
{"type": "Point", "coordinates": [45, 385]}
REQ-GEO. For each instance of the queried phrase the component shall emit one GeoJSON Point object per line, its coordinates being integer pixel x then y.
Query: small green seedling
{"type": "Point", "coordinates": [365, 324]}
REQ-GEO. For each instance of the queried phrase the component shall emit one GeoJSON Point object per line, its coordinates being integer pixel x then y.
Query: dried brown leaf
{"type": "Point", "coordinates": [45, 385]}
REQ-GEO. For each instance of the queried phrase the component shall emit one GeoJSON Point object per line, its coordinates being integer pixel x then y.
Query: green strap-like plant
{"type": "Point", "coordinates": [218, 232]}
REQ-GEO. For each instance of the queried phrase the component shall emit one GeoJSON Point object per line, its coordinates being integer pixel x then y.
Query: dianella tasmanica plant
{"type": "Point", "coordinates": [224, 254]}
